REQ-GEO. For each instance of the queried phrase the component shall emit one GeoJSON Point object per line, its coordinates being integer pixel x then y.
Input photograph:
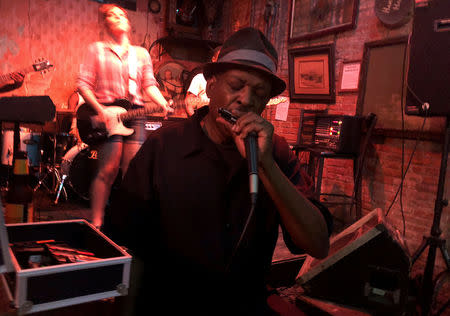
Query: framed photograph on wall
{"type": "Point", "coordinates": [315, 18]}
{"type": "Point", "coordinates": [183, 18]}
{"type": "Point", "coordinates": [349, 76]}
{"type": "Point", "coordinates": [311, 74]}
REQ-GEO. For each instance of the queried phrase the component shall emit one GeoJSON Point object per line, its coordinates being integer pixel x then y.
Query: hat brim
{"type": "Point", "coordinates": [278, 85]}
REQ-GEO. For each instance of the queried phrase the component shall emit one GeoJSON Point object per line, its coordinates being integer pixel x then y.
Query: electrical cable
{"type": "Point", "coordinates": [413, 152]}
{"type": "Point", "coordinates": [241, 238]}
{"type": "Point", "coordinates": [403, 160]}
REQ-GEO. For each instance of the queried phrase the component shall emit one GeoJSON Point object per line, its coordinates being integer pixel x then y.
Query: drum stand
{"type": "Point", "coordinates": [52, 171]}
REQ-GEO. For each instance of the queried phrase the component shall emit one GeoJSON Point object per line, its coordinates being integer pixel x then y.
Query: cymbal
{"type": "Point", "coordinates": [50, 127]}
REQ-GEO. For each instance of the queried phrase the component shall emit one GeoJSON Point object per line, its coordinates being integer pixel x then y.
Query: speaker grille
{"type": "Point", "coordinates": [429, 64]}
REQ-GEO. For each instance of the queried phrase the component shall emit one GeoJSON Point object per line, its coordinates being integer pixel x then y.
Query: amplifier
{"type": "Point", "coordinates": [428, 92]}
{"type": "Point", "coordinates": [336, 133]}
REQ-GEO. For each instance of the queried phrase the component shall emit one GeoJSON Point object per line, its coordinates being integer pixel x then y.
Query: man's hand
{"type": "Point", "coordinates": [251, 122]}
{"type": "Point", "coordinates": [18, 78]}
{"type": "Point", "coordinates": [194, 102]}
{"type": "Point", "coordinates": [168, 108]}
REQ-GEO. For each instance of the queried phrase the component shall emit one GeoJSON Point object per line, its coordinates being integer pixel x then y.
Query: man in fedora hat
{"type": "Point", "coordinates": [185, 209]}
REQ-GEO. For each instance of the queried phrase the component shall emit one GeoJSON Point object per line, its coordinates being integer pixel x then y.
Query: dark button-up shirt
{"type": "Point", "coordinates": [184, 203]}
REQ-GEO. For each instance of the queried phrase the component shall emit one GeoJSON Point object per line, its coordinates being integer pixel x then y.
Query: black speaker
{"type": "Point", "coordinates": [367, 267]}
{"type": "Point", "coordinates": [428, 80]}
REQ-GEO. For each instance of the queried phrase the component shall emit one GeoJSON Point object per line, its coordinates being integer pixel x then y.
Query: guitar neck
{"type": "Point", "coordinates": [151, 108]}
{"type": "Point", "coordinates": [131, 114]}
{"type": "Point", "coordinates": [7, 77]}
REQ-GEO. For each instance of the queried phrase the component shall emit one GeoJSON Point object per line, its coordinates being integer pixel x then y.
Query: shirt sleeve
{"type": "Point", "coordinates": [148, 77]}
{"type": "Point", "coordinates": [290, 165]}
{"type": "Point", "coordinates": [88, 68]}
{"type": "Point", "coordinates": [198, 84]}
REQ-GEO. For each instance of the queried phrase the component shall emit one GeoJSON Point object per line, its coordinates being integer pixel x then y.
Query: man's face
{"type": "Point", "coordinates": [246, 91]}
{"type": "Point", "coordinates": [117, 21]}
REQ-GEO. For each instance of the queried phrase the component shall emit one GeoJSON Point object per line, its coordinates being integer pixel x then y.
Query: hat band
{"type": "Point", "coordinates": [250, 55]}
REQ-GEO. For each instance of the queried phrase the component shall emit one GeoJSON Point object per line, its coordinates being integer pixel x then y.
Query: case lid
{"type": "Point", "coordinates": [5, 256]}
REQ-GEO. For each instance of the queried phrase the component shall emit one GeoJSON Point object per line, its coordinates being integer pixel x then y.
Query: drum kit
{"type": "Point", "coordinates": [55, 157]}
{"type": "Point", "coordinates": [65, 162]}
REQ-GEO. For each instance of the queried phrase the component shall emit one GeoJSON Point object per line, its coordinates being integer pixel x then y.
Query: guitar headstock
{"type": "Point", "coordinates": [42, 65]}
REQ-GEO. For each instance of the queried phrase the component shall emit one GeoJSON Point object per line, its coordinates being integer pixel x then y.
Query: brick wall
{"type": "Point", "coordinates": [382, 174]}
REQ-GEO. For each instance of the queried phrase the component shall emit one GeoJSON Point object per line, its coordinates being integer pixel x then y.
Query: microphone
{"type": "Point", "coordinates": [251, 151]}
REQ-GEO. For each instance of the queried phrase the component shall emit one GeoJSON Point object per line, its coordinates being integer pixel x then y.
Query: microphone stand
{"type": "Point", "coordinates": [434, 241]}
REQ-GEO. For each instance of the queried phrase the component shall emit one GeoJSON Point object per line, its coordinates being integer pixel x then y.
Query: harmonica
{"type": "Point", "coordinates": [227, 115]}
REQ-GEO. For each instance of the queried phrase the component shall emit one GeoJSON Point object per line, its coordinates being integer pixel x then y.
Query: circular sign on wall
{"type": "Point", "coordinates": [394, 13]}
{"type": "Point", "coordinates": [154, 6]}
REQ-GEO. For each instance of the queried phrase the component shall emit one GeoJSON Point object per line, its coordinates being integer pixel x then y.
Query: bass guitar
{"type": "Point", "coordinates": [93, 131]}
{"type": "Point", "coordinates": [41, 65]}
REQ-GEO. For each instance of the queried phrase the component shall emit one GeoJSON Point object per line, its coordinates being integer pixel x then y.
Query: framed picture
{"type": "Point", "coordinates": [311, 74]}
{"type": "Point", "coordinates": [382, 90]}
{"type": "Point", "coordinates": [349, 76]}
{"type": "Point", "coordinates": [183, 18]}
{"type": "Point", "coordinates": [171, 77]}
{"type": "Point", "coordinates": [315, 18]}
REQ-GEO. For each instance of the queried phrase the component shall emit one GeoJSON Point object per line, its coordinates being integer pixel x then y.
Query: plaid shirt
{"type": "Point", "coordinates": [107, 74]}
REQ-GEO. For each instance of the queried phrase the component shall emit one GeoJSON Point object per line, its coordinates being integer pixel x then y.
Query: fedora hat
{"type": "Point", "coordinates": [248, 49]}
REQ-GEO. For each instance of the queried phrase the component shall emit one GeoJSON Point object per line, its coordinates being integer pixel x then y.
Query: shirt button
{"type": "Point", "coordinates": [228, 226]}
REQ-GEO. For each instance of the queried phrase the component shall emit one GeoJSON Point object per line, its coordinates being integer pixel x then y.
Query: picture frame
{"type": "Point", "coordinates": [315, 18]}
{"type": "Point", "coordinates": [349, 76]}
{"type": "Point", "coordinates": [183, 18]}
{"type": "Point", "coordinates": [311, 74]}
{"type": "Point", "coordinates": [382, 91]}
{"type": "Point", "coordinates": [171, 76]}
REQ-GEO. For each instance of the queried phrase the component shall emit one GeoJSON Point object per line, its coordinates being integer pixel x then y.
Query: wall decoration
{"type": "Point", "coordinates": [311, 74]}
{"type": "Point", "coordinates": [349, 76]}
{"type": "Point", "coordinates": [183, 18]}
{"type": "Point", "coordinates": [154, 6]}
{"type": "Point", "coordinates": [394, 13]}
{"type": "Point", "coordinates": [171, 77]}
{"type": "Point", "coordinates": [314, 18]}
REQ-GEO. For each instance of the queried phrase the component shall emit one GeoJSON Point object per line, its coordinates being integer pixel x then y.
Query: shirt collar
{"type": "Point", "coordinates": [199, 143]}
{"type": "Point", "coordinates": [198, 140]}
{"type": "Point", "coordinates": [112, 47]}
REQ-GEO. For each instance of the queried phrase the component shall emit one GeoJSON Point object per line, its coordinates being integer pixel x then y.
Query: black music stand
{"type": "Point", "coordinates": [434, 240]}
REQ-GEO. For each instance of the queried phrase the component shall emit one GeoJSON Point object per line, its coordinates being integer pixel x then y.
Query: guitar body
{"type": "Point", "coordinates": [92, 131]}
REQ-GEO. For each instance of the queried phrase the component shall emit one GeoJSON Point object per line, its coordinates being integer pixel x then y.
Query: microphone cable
{"type": "Point", "coordinates": [251, 149]}
{"type": "Point", "coordinates": [243, 233]}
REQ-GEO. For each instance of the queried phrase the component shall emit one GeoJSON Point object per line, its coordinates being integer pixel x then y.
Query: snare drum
{"type": "Point", "coordinates": [81, 166]}
{"type": "Point", "coordinates": [29, 143]}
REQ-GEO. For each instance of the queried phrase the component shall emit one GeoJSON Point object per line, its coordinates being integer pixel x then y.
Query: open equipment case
{"type": "Point", "coordinates": [33, 289]}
